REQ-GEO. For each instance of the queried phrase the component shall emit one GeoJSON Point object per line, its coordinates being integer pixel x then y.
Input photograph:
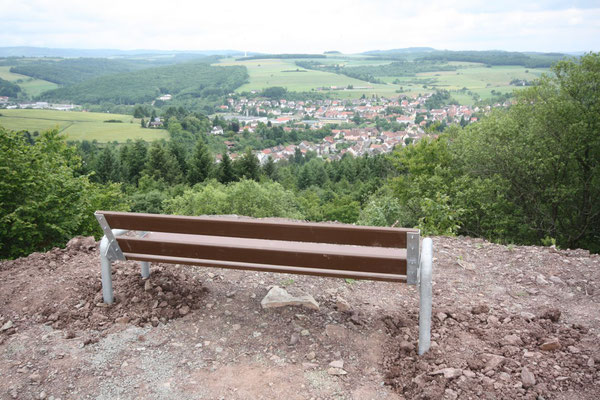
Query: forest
{"type": "Point", "coordinates": [528, 175]}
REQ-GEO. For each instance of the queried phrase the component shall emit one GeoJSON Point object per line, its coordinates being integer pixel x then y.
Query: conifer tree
{"type": "Point", "coordinates": [200, 164]}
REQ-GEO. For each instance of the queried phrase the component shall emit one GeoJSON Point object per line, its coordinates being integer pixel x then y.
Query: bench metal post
{"type": "Point", "coordinates": [412, 258]}
{"type": "Point", "coordinates": [425, 296]}
{"type": "Point", "coordinates": [107, 287]}
{"type": "Point", "coordinates": [145, 269]}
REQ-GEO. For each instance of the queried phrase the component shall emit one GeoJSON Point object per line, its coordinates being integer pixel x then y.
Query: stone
{"type": "Point", "coordinates": [550, 344]}
{"type": "Point", "coordinates": [309, 365]}
{"type": "Point", "coordinates": [480, 309]}
{"type": "Point", "coordinates": [527, 378]}
{"type": "Point", "coordinates": [122, 320]}
{"type": "Point", "coordinates": [406, 346]}
{"type": "Point", "coordinates": [493, 362]}
{"type": "Point", "coordinates": [336, 371]}
{"type": "Point", "coordinates": [527, 316]}
{"type": "Point", "coordinates": [42, 395]}
{"type": "Point", "coordinates": [557, 280]}
{"type": "Point", "coordinates": [541, 280]}
{"type": "Point", "coordinates": [573, 349]}
{"type": "Point", "coordinates": [342, 305]}
{"type": "Point", "coordinates": [311, 356]}
{"type": "Point", "coordinates": [147, 285]}
{"type": "Point", "coordinates": [449, 373]}
{"type": "Point", "coordinates": [553, 314]}
{"type": "Point", "coordinates": [7, 325]}
{"type": "Point", "coordinates": [337, 364]}
{"type": "Point", "coordinates": [279, 297]}
{"type": "Point", "coordinates": [184, 310]}
{"type": "Point", "coordinates": [294, 339]}
{"type": "Point", "coordinates": [81, 243]}
{"type": "Point", "coordinates": [469, 374]}
{"type": "Point", "coordinates": [35, 377]}
{"type": "Point", "coordinates": [493, 320]}
{"type": "Point", "coordinates": [305, 332]}
{"type": "Point", "coordinates": [512, 340]}
{"type": "Point", "coordinates": [441, 316]}
{"type": "Point", "coordinates": [451, 394]}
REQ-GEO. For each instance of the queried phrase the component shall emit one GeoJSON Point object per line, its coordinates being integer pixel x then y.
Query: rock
{"type": "Point", "coordinates": [336, 371]}
{"type": "Point", "coordinates": [279, 297]}
{"type": "Point", "coordinates": [480, 309]}
{"type": "Point", "coordinates": [527, 316]}
{"type": "Point", "coordinates": [81, 243]}
{"type": "Point", "coordinates": [449, 373]}
{"type": "Point", "coordinates": [147, 285]}
{"type": "Point", "coordinates": [42, 395]}
{"type": "Point", "coordinates": [512, 340]}
{"type": "Point", "coordinates": [309, 365]}
{"type": "Point", "coordinates": [550, 344]}
{"type": "Point", "coordinates": [541, 280]}
{"type": "Point", "coordinates": [35, 377]}
{"type": "Point", "coordinates": [337, 364]}
{"type": "Point", "coordinates": [122, 320]}
{"type": "Point", "coordinates": [7, 325]}
{"type": "Point", "coordinates": [294, 339]}
{"type": "Point", "coordinates": [451, 394]}
{"type": "Point", "coordinates": [184, 310]}
{"type": "Point", "coordinates": [527, 378]}
{"type": "Point", "coordinates": [573, 349]}
{"type": "Point", "coordinates": [557, 280]}
{"type": "Point", "coordinates": [305, 332]}
{"type": "Point", "coordinates": [311, 356]}
{"type": "Point", "coordinates": [493, 320]}
{"type": "Point", "coordinates": [406, 346]}
{"type": "Point", "coordinates": [493, 362]}
{"type": "Point", "coordinates": [553, 314]}
{"type": "Point", "coordinates": [236, 327]}
{"type": "Point", "coordinates": [342, 305]}
{"type": "Point", "coordinates": [441, 316]}
{"type": "Point", "coordinates": [469, 374]}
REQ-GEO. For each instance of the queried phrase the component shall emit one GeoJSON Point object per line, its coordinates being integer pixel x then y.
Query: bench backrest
{"type": "Point", "coordinates": [327, 249]}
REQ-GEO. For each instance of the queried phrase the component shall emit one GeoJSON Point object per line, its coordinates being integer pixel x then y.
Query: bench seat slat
{"type": "Point", "coordinates": [296, 254]}
{"type": "Point", "coordinates": [260, 229]}
{"type": "Point", "coordinates": [268, 268]}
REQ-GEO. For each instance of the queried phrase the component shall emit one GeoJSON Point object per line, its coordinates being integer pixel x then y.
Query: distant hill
{"type": "Point", "coordinates": [26, 51]}
{"type": "Point", "coordinates": [406, 50]}
{"type": "Point", "coordinates": [183, 81]}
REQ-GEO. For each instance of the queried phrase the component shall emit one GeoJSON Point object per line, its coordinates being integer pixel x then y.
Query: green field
{"type": "Point", "coordinates": [477, 78]}
{"type": "Point", "coordinates": [282, 72]}
{"type": "Point", "coordinates": [31, 86]}
{"type": "Point", "coordinates": [80, 125]}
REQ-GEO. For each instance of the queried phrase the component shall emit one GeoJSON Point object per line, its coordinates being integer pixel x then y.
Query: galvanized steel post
{"type": "Point", "coordinates": [145, 269]}
{"type": "Point", "coordinates": [425, 296]}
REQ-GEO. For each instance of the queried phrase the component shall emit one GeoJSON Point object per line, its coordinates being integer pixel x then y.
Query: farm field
{"type": "Point", "coordinates": [265, 73]}
{"type": "Point", "coordinates": [80, 125]}
{"type": "Point", "coordinates": [31, 86]}
{"type": "Point", "coordinates": [477, 78]}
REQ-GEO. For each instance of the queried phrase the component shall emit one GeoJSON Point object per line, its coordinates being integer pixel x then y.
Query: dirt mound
{"type": "Point", "coordinates": [492, 355]}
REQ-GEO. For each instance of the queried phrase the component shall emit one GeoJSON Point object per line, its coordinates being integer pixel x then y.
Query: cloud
{"type": "Point", "coordinates": [307, 26]}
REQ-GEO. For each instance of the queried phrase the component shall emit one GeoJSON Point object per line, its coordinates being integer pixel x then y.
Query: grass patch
{"type": "Point", "coordinates": [31, 86]}
{"type": "Point", "coordinates": [80, 125]}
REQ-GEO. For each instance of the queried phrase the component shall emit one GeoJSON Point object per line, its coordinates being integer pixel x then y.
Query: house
{"type": "Point", "coordinates": [216, 130]}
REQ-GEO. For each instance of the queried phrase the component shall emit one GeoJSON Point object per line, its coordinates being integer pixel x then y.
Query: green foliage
{"type": "Point", "coordinates": [43, 203]}
{"type": "Point", "coordinates": [9, 89]}
{"type": "Point", "coordinates": [495, 57]}
{"type": "Point", "coordinates": [246, 197]}
{"type": "Point", "coordinates": [185, 81]}
{"type": "Point", "coordinates": [200, 164]}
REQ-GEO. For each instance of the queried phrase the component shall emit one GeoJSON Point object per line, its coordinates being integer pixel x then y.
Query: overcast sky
{"type": "Point", "coordinates": [302, 26]}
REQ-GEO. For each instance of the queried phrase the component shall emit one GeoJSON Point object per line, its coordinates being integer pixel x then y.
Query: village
{"type": "Point", "coordinates": [360, 124]}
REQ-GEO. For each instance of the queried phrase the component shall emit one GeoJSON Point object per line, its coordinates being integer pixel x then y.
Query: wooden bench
{"type": "Point", "coordinates": [322, 249]}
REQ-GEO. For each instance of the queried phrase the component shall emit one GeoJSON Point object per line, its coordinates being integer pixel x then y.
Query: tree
{"type": "Point", "coordinates": [200, 163]}
{"type": "Point", "coordinates": [248, 166]}
{"type": "Point", "coordinates": [43, 201]}
{"type": "Point", "coordinates": [161, 165]}
{"type": "Point", "coordinates": [226, 172]}
{"type": "Point", "coordinates": [107, 166]}
{"type": "Point", "coordinates": [269, 169]}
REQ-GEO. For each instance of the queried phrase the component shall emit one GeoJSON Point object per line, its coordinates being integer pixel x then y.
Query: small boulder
{"type": "Point", "coordinates": [527, 378]}
{"type": "Point", "coordinates": [342, 305]}
{"type": "Point", "coordinates": [337, 364]}
{"type": "Point", "coordinates": [6, 326]}
{"type": "Point", "coordinates": [449, 373]}
{"type": "Point", "coordinates": [553, 314]}
{"type": "Point", "coordinates": [550, 344]}
{"type": "Point", "coordinates": [480, 309]}
{"type": "Point", "coordinates": [279, 297]}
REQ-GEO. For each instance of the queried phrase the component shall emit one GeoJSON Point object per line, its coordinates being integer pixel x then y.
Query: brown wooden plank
{"type": "Point", "coordinates": [260, 229]}
{"type": "Point", "coordinates": [268, 268]}
{"type": "Point", "coordinates": [336, 257]}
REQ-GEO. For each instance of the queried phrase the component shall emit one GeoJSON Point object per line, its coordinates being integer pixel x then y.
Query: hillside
{"type": "Point", "coordinates": [191, 332]}
{"type": "Point", "coordinates": [183, 81]}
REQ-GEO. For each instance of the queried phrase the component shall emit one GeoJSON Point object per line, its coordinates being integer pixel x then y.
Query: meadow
{"type": "Point", "coordinates": [32, 87]}
{"type": "Point", "coordinates": [80, 125]}
{"type": "Point", "coordinates": [475, 77]}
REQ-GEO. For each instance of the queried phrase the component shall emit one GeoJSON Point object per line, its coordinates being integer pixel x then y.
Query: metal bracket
{"type": "Point", "coordinates": [412, 257]}
{"type": "Point", "coordinates": [113, 251]}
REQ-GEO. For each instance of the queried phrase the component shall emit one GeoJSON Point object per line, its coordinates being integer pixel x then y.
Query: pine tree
{"type": "Point", "coordinates": [162, 165]}
{"type": "Point", "coordinates": [200, 164]}
{"type": "Point", "coordinates": [248, 165]}
{"type": "Point", "coordinates": [269, 169]}
{"type": "Point", "coordinates": [226, 173]}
